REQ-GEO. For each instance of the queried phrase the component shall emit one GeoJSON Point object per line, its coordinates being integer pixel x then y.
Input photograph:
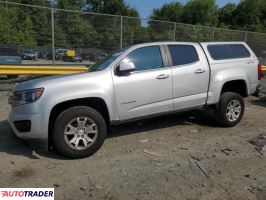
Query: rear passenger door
{"type": "Point", "coordinates": [190, 73]}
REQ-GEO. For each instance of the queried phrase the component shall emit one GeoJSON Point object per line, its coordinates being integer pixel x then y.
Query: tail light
{"type": "Point", "coordinates": [259, 71]}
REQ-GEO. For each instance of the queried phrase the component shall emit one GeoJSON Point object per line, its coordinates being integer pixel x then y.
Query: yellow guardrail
{"type": "Point", "coordinates": [40, 70]}
{"type": "Point", "coordinates": [46, 70]}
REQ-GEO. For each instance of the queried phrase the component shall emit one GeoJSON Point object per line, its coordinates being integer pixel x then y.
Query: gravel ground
{"type": "Point", "coordinates": [159, 158]}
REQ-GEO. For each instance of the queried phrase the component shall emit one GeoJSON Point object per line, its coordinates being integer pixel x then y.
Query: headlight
{"type": "Point", "coordinates": [24, 97]}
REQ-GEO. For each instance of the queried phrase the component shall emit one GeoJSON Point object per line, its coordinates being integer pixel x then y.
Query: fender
{"type": "Point", "coordinates": [220, 78]}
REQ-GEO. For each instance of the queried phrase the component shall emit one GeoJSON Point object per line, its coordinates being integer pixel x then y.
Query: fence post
{"type": "Point", "coordinates": [174, 30]}
{"type": "Point", "coordinates": [53, 42]}
{"type": "Point", "coordinates": [213, 32]}
{"type": "Point", "coordinates": [121, 32]}
{"type": "Point", "coordinates": [246, 36]}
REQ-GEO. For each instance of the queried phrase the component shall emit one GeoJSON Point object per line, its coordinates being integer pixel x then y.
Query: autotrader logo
{"type": "Point", "coordinates": [27, 193]}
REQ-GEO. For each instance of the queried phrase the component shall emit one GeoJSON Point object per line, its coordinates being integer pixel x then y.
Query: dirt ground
{"type": "Point", "coordinates": [159, 158]}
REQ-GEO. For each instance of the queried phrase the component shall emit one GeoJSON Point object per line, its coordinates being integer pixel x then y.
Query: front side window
{"type": "Point", "coordinates": [183, 54]}
{"type": "Point", "coordinates": [146, 58]}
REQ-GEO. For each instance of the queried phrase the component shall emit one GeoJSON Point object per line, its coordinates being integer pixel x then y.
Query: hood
{"type": "Point", "coordinates": [54, 81]}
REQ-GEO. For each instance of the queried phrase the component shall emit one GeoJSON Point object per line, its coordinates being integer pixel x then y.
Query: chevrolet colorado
{"type": "Point", "coordinates": [72, 112]}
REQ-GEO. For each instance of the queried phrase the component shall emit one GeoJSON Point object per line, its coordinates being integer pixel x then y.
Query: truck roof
{"type": "Point", "coordinates": [185, 42]}
{"type": "Point", "coordinates": [189, 43]}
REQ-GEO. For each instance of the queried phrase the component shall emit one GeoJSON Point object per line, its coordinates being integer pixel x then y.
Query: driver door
{"type": "Point", "coordinates": [147, 90]}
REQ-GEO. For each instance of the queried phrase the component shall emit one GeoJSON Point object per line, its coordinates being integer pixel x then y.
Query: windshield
{"type": "Point", "coordinates": [106, 61]}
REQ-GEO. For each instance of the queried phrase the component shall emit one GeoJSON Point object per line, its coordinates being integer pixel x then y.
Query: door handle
{"type": "Point", "coordinates": [162, 76]}
{"type": "Point", "coordinates": [199, 71]}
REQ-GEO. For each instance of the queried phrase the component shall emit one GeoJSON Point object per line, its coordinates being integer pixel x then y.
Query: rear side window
{"type": "Point", "coordinates": [183, 54]}
{"type": "Point", "coordinates": [239, 51]}
{"type": "Point", "coordinates": [220, 52]}
{"type": "Point", "coordinates": [228, 51]}
{"type": "Point", "coordinates": [146, 58]}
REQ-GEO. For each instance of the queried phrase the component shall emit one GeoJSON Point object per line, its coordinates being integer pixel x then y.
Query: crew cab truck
{"type": "Point", "coordinates": [72, 112]}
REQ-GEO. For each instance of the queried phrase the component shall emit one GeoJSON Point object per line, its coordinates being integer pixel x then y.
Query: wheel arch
{"type": "Point", "coordinates": [96, 103]}
{"type": "Point", "coordinates": [238, 86]}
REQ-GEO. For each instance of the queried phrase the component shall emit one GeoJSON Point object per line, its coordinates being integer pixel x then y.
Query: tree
{"type": "Point", "coordinates": [203, 12]}
{"type": "Point", "coordinates": [169, 12]}
{"type": "Point", "coordinates": [60, 36]}
{"type": "Point", "coordinates": [70, 4]}
{"type": "Point", "coordinates": [108, 27]}
{"type": "Point", "coordinates": [17, 27]}
{"type": "Point", "coordinates": [114, 7]}
{"type": "Point", "coordinates": [249, 15]}
{"type": "Point", "coordinates": [26, 33]}
{"type": "Point", "coordinates": [41, 20]}
{"type": "Point", "coordinates": [226, 15]}
{"type": "Point", "coordinates": [74, 27]}
{"type": "Point", "coordinates": [6, 37]}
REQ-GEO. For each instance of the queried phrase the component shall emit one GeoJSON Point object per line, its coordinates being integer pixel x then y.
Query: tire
{"type": "Point", "coordinates": [65, 124]}
{"type": "Point", "coordinates": [225, 108]}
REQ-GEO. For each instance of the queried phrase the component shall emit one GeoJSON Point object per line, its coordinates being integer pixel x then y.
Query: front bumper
{"type": "Point", "coordinates": [28, 122]}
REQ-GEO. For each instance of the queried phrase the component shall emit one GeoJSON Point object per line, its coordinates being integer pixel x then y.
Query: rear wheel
{"type": "Point", "coordinates": [79, 132]}
{"type": "Point", "coordinates": [230, 109]}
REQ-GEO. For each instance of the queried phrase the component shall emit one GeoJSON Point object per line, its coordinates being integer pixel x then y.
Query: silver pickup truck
{"type": "Point", "coordinates": [71, 113]}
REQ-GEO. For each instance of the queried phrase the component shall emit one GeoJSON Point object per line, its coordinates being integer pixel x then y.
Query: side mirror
{"type": "Point", "coordinates": [126, 67]}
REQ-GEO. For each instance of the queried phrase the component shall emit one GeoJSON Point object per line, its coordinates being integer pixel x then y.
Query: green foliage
{"type": "Point", "coordinates": [114, 7]}
{"type": "Point", "coordinates": [14, 29]}
{"type": "Point", "coordinates": [226, 15]}
{"type": "Point", "coordinates": [69, 4]}
{"type": "Point", "coordinates": [247, 15]}
{"type": "Point", "coordinates": [169, 12]}
{"type": "Point", "coordinates": [203, 12]}
{"type": "Point", "coordinates": [108, 28]}
{"type": "Point", "coordinates": [60, 37]}
{"type": "Point", "coordinates": [26, 33]}
{"type": "Point", "coordinates": [41, 26]}
{"type": "Point", "coordinates": [30, 27]}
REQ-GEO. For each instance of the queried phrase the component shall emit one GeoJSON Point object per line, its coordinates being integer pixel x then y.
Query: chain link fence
{"type": "Point", "coordinates": [43, 35]}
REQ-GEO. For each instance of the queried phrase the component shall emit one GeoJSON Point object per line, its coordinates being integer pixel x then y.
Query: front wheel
{"type": "Point", "coordinates": [230, 109]}
{"type": "Point", "coordinates": [79, 132]}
